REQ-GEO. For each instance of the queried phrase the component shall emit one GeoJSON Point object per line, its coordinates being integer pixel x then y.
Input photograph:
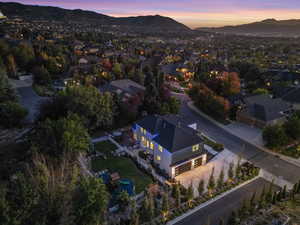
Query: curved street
{"type": "Point", "coordinates": [267, 161]}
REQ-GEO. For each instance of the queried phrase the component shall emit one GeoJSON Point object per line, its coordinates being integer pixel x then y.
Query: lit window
{"type": "Point", "coordinates": [151, 145]}
{"type": "Point", "coordinates": [160, 148]}
{"type": "Point", "coordinates": [147, 144]}
{"type": "Point", "coordinates": [144, 131]}
{"type": "Point", "coordinates": [143, 138]}
{"type": "Point", "coordinates": [195, 148]}
{"type": "Point", "coordinates": [141, 129]}
{"type": "Point", "coordinates": [135, 136]}
{"type": "Point", "coordinates": [158, 158]}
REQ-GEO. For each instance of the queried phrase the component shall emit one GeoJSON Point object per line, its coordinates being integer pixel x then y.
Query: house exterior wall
{"type": "Point", "coordinates": [163, 157]}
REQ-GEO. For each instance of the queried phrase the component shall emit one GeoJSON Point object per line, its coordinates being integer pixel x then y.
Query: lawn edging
{"type": "Point", "coordinates": [190, 212]}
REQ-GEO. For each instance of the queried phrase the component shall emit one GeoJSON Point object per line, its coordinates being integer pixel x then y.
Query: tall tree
{"type": "Point", "coordinates": [201, 187]}
{"type": "Point", "coordinates": [6, 91]}
{"type": "Point", "coordinates": [211, 182]}
{"type": "Point", "coordinates": [11, 66]}
{"type": "Point", "coordinates": [220, 180]}
{"type": "Point", "coordinates": [59, 137]}
{"type": "Point", "coordinates": [90, 202]}
{"type": "Point", "coordinates": [190, 194]}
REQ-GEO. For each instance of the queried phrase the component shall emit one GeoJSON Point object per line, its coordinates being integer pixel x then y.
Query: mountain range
{"type": "Point", "coordinates": [32, 12]}
{"type": "Point", "coordinates": [268, 27]}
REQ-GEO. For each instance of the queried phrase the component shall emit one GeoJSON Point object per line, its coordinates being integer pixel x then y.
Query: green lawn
{"type": "Point", "coordinates": [106, 147]}
{"type": "Point", "coordinates": [126, 168]}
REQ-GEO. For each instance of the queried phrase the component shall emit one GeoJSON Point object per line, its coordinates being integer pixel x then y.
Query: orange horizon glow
{"type": "Point", "coordinates": [219, 19]}
{"type": "Point", "coordinates": [193, 13]}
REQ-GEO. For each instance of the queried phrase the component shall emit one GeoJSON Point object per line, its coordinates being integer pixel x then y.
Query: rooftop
{"type": "Point", "coordinates": [123, 86]}
{"type": "Point", "coordinates": [265, 108]}
{"type": "Point", "coordinates": [172, 132]}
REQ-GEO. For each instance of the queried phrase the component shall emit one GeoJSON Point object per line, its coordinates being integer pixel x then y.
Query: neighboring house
{"type": "Point", "coordinates": [176, 147]}
{"type": "Point", "coordinates": [125, 88]}
{"type": "Point", "coordinates": [262, 110]}
{"type": "Point", "coordinates": [293, 97]}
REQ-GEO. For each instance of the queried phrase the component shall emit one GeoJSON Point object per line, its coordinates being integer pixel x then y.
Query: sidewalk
{"type": "Point", "coordinates": [293, 161]}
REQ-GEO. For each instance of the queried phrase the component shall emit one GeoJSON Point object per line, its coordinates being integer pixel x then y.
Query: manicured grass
{"type": "Point", "coordinates": [126, 168]}
{"type": "Point", "coordinates": [106, 147]}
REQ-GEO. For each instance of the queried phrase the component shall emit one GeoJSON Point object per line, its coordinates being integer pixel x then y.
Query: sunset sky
{"type": "Point", "coordinates": [193, 13]}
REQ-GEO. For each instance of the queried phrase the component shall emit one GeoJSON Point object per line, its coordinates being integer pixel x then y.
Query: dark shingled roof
{"type": "Point", "coordinates": [264, 108]}
{"type": "Point", "coordinates": [172, 133]}
{"type": "Point", "coordinates": [293, 96]}
{"type": "Point", "coordinates": [124, 86]}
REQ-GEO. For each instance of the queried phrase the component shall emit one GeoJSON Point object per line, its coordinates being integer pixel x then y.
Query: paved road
{"type": "Point", "coordinates": [262, 159]}
{"type": "Point", "coordinates": [223, 207]}
{"type": "Point", "coordinates": [30, 100]}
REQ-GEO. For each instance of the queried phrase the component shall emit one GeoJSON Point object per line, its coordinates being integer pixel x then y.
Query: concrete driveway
{"type": "Point", "coordinates": [244, 131]}
{"type": "Point", "coordinates": [31, 101]}
{"type": "Point", "coordinates": [219, 163]}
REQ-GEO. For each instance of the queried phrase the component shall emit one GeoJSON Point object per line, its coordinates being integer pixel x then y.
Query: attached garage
{"type": "Point", "coordinates": [183, 168]}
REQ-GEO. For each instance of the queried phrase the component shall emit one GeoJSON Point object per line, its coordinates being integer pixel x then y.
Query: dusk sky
{"type": "Point", "coordinates": [193, 13]}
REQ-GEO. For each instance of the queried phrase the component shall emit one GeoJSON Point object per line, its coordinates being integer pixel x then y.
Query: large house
{"type": "Point", "coordinates": [262, 110]}
{"type": "Point", "coordinates": [176, 146]}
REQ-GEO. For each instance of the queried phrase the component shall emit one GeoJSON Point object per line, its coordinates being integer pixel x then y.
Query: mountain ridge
{"type": "Point", "coordinates": [267, 26]}
{"type": "Point", "coordinates": [36, 12]}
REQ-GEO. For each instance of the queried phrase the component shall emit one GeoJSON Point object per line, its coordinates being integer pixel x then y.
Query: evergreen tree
{"type": "Point", "coordinates": [284, 192]}
{"type": "Point", "coordinates": [269, 193]}
{"type": "Point", "coordinates": [151, 205]}
{"type": "Point", "coordinates": [220, 181]}
{"type": "Point", "coordinates": [177, 195]}
{"type": "Point", "coordinates": [211, 182]}
{"type": "Point", "coordinates": [201, 187]}
{"type": "Point", "coordinates": [274, 198]}
{"type": "Point", "coordinates": [134, 218]}
{"type": "Point", "coordinates": [165, 206]}
{"type": "Point", "coordinates": [7, 93]}
{"type": "Point", "coordinates": [238, 170]}
{"type": "Point", "coordinates": [230, 172]}
{"type": "Point", "coordinates": [145, 212]}
{"type": "Point", "coordinates": [232, 219]}
{"type": "Point", "coordinates": [190, 194]}
{"type": "Point", "coordinates": [279, 195]}
{"type": "Point", "coordinates": [262, 198]}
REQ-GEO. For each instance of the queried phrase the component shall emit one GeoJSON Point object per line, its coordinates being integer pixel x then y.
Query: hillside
{"type": "Point", "coordinates": [30, 12]}
{"type": "Point", "coordinates": [268, 27]}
